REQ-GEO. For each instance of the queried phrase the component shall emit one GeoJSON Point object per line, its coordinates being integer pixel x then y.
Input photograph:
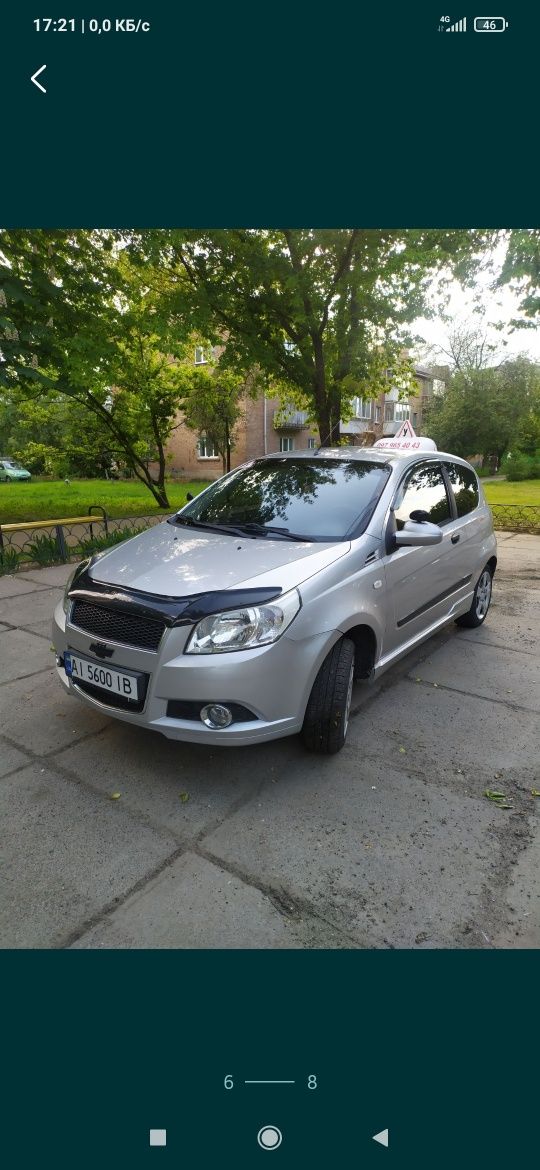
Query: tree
{"type": "Point", "coordinates": [521, 269]}
{"type": "Point", "coordinates": [51, 434]}
{"type": "Point", "coordinates": [79, 320]}
{"type": "Point", "coordinates": [321, 312]}
{"type": "Point", "coordinates": [212, 406]}
{"type": "Point", "coordinates": [482, 408]}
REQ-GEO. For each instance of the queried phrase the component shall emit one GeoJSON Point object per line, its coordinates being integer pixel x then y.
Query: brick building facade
{"type": "Point", "coordinates": [266, 427]}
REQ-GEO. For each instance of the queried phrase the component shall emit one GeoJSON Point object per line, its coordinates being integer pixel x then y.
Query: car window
{"type": "Point", "coordinates": [424, 490]}
{"type": "Point", "coordinates": [464, 486]}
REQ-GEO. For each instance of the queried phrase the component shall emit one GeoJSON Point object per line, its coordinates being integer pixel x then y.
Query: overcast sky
{"type": "Point", "coordinates": [499, 307]}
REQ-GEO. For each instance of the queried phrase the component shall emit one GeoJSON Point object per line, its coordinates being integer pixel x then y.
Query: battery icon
{"type": "Point", "coordinates": [490, 24]}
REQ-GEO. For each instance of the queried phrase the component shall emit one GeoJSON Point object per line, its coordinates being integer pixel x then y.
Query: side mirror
{"type": "Point", "coordinates": [421, 534]}
{"type": "Point", "coordinates": [189, 496]}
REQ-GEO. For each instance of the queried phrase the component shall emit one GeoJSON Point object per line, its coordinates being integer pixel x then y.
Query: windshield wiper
{"type": "Point", "coordinates": [250, 528]}
{"type": "Point", "coordinates": [229, 529]}
{"type": "Point", "coordinates": [264, 529]}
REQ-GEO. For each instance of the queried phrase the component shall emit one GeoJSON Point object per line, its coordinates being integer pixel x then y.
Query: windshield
{"type": "Point", "coordinates": [316, 499]}
{"type": "Point", "coordinates": [12, 464]}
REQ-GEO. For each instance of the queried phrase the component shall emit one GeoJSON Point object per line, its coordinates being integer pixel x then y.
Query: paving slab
{"type": "Point", "coordinates": [42, 629]}
{"type": "Point", "coordinates": [513, 621]}
{"type": "Point", "coordinates": [21, 611]}
{"type": "Point", "coordinates": [55, 575]}
{"type": "Point", "coordinates": [458, 740]}
{"type": "Point", "coordinates": [195, 904]}
{"type": "Point", "coordinates": [523, 902]}
{"type": "Point", "coordinates": [22, 654]}
{"type": "Point", "coordinates": [68, 854]}
{"type": "Point", "coordinates": [391, 860]}
{"type": "Point", "coordinates": [478, 669]}
{"type": "Point", "coordinates": [11, 757]}
{"type": "Point", "coordinates": [38, 714]}
{"type": "Point", "coordinates": [189, 788]}
{"type": "Point", "coordinates": [15, 586]}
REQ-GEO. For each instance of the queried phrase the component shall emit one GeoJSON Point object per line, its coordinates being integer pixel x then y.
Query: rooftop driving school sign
{"type": "Point", "coordinates": [406, 439]}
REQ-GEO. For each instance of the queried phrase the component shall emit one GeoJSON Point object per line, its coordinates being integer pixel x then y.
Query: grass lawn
{"type": "Point", "coordinates": [50, 500]}
{"type": "Point", "coordinates": [526, 491]}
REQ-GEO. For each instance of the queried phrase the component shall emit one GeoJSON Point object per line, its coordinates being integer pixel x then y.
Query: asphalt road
{"type": "Point", "coordinates": [392, 843]}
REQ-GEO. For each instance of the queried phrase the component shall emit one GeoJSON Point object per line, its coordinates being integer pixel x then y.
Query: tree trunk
{"type": "Point", "coordinates": [227, 445]}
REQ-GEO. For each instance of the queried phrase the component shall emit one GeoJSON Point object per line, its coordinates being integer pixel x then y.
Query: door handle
{"type": "Point", "coordinates": [455, 538]}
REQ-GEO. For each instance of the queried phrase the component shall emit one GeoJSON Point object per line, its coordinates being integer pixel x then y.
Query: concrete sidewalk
{"type": "Point", "coordinates": [390, 844]}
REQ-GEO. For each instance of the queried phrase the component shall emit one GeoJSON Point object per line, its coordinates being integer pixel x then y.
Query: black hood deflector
{"type": "Point", "coordinates": [174, 611]}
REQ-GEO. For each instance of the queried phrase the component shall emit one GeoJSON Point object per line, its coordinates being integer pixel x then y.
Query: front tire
{"type": "Point", "coordinates": [327, 713]}
{"type": "Point", "coordinates": [477, 614]}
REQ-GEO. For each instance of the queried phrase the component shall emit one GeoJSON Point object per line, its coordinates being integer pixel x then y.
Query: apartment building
{"type": "Point", "coordinates": [267, 427]}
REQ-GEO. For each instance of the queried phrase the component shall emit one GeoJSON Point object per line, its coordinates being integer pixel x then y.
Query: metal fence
{"type": "Point", "coordinates": [56, 542]}
{"type": "Point", "coordinates": [517, 517]}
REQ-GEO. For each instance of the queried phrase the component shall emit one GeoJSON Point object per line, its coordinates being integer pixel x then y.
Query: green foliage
{"type": "Point", "coordinates": [521, 269]}
{"type": "Point", "coordinates": [481, 409]}
{"type": "Point", "coordinates": [44, 549]}
{"type": "Point", "coordinates": [82, 323]}
{"type": "Point", "coordinates": [528, 431]}
{"type": "Point", "coordinates": [9, 560]}
{"type": "Point", "coordinates": [319, 312]}
{"type": "Point", "coordinates": [518, 466]}
{"type": "Point", "coordinates": [212, 405]}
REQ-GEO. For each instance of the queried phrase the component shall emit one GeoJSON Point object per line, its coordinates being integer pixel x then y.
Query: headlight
{"type": "Point", "coordinates": [243, 629]}
{"type": "Point", "coordinates": [78, 569]}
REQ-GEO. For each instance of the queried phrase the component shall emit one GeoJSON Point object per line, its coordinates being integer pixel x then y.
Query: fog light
{"type": "Point", "coordinates": [215, 715]}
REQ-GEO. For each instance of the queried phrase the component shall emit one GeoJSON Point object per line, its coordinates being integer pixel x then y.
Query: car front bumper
{"type": "Point", "coordinates": [273, 682]}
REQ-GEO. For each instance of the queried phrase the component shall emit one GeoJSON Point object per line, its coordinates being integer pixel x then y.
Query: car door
{"type": "Point", "coordinates": [422, 583]}
{"type": "Point", "coordinates": [471, 523]}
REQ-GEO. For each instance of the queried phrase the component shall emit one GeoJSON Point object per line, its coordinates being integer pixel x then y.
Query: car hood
{"type": "Point", "coordinates": [170, 562]}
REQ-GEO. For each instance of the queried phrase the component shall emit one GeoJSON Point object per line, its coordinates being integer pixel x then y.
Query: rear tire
{"type": "Point", "coordinates": [477, 614]}
{"type": "Point", "coordinates": [327, 713]}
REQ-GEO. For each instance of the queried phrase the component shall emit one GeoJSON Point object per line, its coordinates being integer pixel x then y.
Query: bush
{"type": "Point", "coordinates": [44, 549]}
{"type": "Point", "coordinates": [518, 466]}
{"type": "Point", "coordinates": [9, 560]}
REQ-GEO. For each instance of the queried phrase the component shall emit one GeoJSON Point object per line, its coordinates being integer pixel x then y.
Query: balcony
{"type": "Point", "coordinates": [290, 420]}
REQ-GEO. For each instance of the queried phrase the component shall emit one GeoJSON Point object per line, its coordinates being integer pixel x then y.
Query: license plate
{"type": "Point", "coordinates": [117, 682]}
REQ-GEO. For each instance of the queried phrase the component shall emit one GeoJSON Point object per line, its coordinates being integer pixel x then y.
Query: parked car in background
{"type": "Point", "coordinates": [10, 471]}
{"type": "Point", "coordinates": [248, 614]}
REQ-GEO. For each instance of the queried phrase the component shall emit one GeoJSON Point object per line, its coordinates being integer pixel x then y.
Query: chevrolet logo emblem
{"type": "Point", "coordinates": [101, 650]}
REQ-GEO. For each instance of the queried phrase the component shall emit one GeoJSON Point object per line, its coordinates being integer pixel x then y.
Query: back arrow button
{"type": "Point", "coordinates": [38, 83]}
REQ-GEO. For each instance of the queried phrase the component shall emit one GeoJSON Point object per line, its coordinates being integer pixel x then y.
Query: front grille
{"type": "Point", "coordinates": [110, 699]}
{"type": "Point", "coordinates": [114, 625]}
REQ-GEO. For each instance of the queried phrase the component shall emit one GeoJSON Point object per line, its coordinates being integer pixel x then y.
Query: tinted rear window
{"type": "Point", "coordinates": [464, 486]}
{"type": "Point", "coordinates": [321, 499]}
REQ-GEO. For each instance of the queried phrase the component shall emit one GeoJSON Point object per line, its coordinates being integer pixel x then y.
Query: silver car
{"type": "Point", "coordinates": [249, 614]}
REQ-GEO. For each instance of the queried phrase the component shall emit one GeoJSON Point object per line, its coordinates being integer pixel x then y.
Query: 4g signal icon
{"type": "Point", "coordinates": [458, 26]}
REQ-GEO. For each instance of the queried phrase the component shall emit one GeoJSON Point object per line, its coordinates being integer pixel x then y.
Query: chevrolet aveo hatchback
{"type": "Point", "coordinates": [249, 614]}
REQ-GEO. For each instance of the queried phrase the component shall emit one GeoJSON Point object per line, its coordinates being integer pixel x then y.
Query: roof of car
{"type": "Point", "coordinates": [370, 454]}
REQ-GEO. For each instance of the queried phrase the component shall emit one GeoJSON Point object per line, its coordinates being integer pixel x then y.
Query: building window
{"type": "Point", "coordinates": [377, 415]}
{"type": "Point", "coordinates": [402, 412]}
{"type": "Point", "coordinates": [200, 356]}
{"type": "Point", "coordinates": [286, 443]}
{"type": "Point", "coordinates": [389, 412]}
{"type": "Point", "coordinates": [362, 407]}
{"type": "Point", "coordinates": [311, 444]}
{"type": "Point", "coordinates": [206, 448]}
